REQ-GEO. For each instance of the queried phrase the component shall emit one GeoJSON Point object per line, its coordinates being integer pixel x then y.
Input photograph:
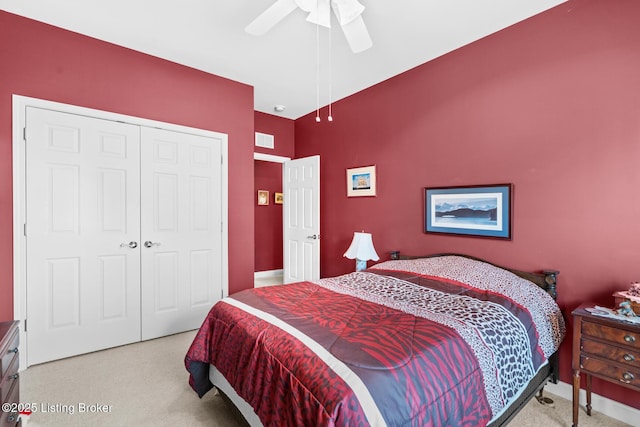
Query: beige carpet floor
{"type": "Point", "coordinates": [145, 384]}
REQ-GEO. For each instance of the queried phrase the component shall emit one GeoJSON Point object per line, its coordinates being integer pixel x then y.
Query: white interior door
{"type": "Point", "coordinates": [181, 230]}
{"type": "Point", "coordinates": [83, 210]}
{"type": "Point", "coordinates": [301, 191]}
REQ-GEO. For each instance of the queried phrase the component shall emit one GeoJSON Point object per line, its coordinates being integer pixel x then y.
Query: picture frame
{"type": "Point", "coordinates": [263, 197]}
{"type": "Point", "coordinates": [361, 181]}
{"type": "Point", "coordinates": [278, 198]}
{"type": "Point", "coordinates": [476, 210]}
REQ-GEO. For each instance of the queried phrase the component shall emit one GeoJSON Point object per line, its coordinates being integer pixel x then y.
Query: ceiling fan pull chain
{"type": "Point", "coordinates": [330, 117]}
{"type": "Point", "coordinates": [317, 71]}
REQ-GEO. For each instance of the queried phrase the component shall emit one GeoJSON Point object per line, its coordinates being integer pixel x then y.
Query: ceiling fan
{"type": "Point", "coordinates": [347, 12]}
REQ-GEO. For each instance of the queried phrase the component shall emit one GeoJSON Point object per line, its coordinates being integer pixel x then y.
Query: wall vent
{"type": "Point", "coordinates": [265, 140]}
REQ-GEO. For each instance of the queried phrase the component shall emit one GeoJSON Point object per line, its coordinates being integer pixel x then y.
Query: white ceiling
{"type": "Point", "coordinates": [282, 65]}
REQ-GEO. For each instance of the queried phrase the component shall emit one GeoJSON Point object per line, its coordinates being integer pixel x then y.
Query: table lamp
{"type": "Point", "coordinates": [362, 250]}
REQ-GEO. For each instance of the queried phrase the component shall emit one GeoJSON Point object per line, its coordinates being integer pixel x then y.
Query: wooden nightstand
{"type": "Point", "coordinates": [9, 377]}
{"type": "Point", "coordinates": [606, 348]}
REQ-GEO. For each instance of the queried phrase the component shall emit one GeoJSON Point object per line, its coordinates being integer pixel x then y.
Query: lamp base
{"type": "Point", "coordinates": [361, 264]}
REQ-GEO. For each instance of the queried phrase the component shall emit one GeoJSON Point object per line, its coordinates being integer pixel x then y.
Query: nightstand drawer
{"type": "Point", "coordinates": [9, 380]}
{"type": "Point", "coordinates": [11, 418]}
{"type": "Point", "coordinates": [11, 351]}
{"type": "Point", "coordinates": [621, 374]}
{"type": "Point", "coordinates": [628, 356]}
{"type": "Point", "coordinates": [613, 335]}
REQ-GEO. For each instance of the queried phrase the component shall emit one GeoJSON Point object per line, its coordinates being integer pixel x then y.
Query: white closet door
{"type": "Point", "coordinates": [82, 179]}
{"type": "Point", "coordinates": [181, 230]}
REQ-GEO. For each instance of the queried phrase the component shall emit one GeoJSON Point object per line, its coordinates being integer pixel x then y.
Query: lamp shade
{"type": "Point", "coordinates": [362, 248]}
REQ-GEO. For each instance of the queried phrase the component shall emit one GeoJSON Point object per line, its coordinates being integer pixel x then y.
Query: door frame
{"type": "Point", "coordinates": [282, 160]}
{"type": "Point", "coordinates": [19, 105]}
{"type": "Point", "coordinates": [271, 158]}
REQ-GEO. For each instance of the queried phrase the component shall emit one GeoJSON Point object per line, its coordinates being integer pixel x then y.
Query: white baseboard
{"type": "Point", "coordinates": [603, 405]}
{"type": "Point", "coordinates": [268, 274]}
{"type": "Point", "coordinates": [267, 278]}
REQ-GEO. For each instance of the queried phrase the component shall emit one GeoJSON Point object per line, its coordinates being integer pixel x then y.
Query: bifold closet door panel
{"type": "Point", "coordinates": [181, 231]}
{"type": "Point", "coordinates": [82, 234]}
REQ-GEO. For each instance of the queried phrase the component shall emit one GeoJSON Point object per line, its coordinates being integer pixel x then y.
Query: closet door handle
{"type": "Point", "coordinates": [149, 244]}
{"type": "Point", "coordinates": [131, 245]}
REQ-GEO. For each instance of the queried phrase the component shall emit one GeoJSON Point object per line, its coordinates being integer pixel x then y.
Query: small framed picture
{"type": "Point", "coordinates": [361, 181]}
{"type": "Point", "coordinates": [278, 199]}
{"type": "Point", "coordinates": [263, 197]}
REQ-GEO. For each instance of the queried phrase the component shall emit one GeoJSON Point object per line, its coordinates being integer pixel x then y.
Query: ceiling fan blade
{"type": "Point", "coordinates": [346, 10]}
{"type": "Point", "coordinates": [357, 35]}
{"type": "Point", "coordinates": [270, 17]}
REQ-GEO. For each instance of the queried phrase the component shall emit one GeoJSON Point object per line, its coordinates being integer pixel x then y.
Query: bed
{"type": "Point", "coordinates": [441, 340]}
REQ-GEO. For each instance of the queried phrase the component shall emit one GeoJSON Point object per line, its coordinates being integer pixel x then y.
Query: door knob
{"type": "Point", "coordinates": [149, 244]}
{"type": "Point", "coordinates": [131, 245]}
{"type": "Point", "coordinates": [314, 236]}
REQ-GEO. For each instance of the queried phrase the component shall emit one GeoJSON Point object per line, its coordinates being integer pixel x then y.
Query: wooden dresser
{"type": "Point", "coordinates": [9, 377]}
{"type": "Point", "coordinates": [606, 348]}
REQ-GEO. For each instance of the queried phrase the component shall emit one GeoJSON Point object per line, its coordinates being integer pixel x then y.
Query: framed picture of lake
{"type": "Point", "coordinates": [477, 210]}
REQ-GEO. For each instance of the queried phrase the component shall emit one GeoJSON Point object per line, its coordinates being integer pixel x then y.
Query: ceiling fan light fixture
{"type": "Point", "coordinates": [346, 10]}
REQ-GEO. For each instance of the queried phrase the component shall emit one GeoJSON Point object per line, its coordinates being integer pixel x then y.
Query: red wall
{"type": "Point", "coordinates": [551, 105]}
{"type": "Point", "coordinates": [268, 176]}
{"type": "Point", "coordinates": [45, 62]}
{"type": "Point", "coordinates": [281, 128]}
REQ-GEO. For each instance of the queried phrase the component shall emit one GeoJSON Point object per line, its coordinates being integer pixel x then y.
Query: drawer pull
{"type": "Point", "coordinates": [629, 338]}
{"type": "Point", "coordinates": [629, 357]}
{"type": "Point", "coordinates": [627, 377]}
